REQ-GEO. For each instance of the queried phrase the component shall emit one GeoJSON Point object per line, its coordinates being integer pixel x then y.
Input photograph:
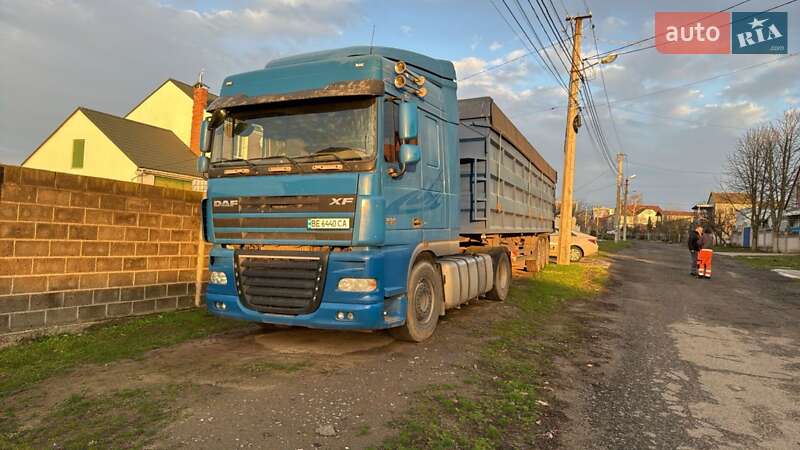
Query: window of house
{"type": "Point", "coordinates": [78, 146]}
{"type": "Point", "coordinates": [172, 183]}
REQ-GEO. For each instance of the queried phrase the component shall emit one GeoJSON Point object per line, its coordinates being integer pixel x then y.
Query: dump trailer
{"type": "Point", "coordinates": [350, 189]}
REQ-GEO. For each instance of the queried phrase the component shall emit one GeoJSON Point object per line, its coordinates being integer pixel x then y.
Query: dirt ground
{"type": "Point", "coordinates": [281, 388]}
{"type": "Point", "coordinates": [661, 360]}
{"type": "Point", "coordinates": [686, 363]}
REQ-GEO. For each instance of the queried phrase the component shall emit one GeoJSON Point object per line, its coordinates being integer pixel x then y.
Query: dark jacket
{"type": "Point", "coordinates": [707, 241]}
{"type": "Point", "coordinates": [694, 241]}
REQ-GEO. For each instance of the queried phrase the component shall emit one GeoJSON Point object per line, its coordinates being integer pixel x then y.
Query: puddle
{"type": "Point", "coordinates": [322, 342]}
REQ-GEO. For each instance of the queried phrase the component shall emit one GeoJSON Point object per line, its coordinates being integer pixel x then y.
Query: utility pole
{"type": "Point", "coordinates": [625, 212]}
{"type": "Point", "coordinates": [565, 229]}
{"type": "Point", "coordinates": [617, 207]}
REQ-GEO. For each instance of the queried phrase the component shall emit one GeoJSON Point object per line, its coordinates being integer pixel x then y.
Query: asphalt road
{"type": "Point", "coordinates": [688, 363]}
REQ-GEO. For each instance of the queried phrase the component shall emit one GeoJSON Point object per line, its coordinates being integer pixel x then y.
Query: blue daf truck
{"type": "Point", "coordinates": [350, 189]}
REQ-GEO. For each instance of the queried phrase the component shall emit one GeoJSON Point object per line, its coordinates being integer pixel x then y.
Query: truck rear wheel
{"type": "Point", "coordinates": [502, 274]}
{"type": "Point", "coordinates": [425, 300]}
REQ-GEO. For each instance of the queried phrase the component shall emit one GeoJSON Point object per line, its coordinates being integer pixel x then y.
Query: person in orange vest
{"type": "Point", "coordinates": [705, 255]}
{"type": "Point", "coordinates": [695, 246]}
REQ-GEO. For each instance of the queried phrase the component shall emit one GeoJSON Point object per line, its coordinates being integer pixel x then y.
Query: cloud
{"type": "Point", "coordinates": [406, 29]}
{"type": "Point", "coordinates": [476, 41]}
{"type": "Point", "coordinates": [60, 54]}
{"type": "Point", "coordinates": [281, 19]}
{"type": "Point", "coordinates": [494, 46]}
{"type": "Point", "coordinates": [613, 23]}
{"type": "Point", "coordinates": [683, 110]}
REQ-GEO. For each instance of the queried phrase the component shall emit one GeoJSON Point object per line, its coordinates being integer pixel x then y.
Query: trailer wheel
{"type": "Point", "coordinates": [425, 300]}
{"type": "Point", "coordinates": [502, 274]}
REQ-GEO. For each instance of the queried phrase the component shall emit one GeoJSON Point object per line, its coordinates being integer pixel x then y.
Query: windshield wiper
{"type": "Point", "coordinates": [335, 156]}
{"type": "Point", "coordinates": [287, 158]}
{"type": "Point", "coordinates": [235, 160]}
{"type": "Point", "coordinates": [334, 152]}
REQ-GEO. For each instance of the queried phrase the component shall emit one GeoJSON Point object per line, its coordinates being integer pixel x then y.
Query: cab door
{"type": "Point", "coordinates": [431, 140]}
{"type": "Point", "coordinates": [403, 194]}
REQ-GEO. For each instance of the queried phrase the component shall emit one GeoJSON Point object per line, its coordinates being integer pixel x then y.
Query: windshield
{"type": "Point", "coordinates": [303, 133]}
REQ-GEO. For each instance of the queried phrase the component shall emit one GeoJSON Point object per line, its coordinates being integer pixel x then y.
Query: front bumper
{"type": "Point", "coordinates": [371, 311]}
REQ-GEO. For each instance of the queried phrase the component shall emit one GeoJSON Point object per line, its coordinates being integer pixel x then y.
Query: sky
{"type": "Point", "coordinates": [676, 117]}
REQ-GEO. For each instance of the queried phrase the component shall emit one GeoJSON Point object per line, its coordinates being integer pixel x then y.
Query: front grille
{"type": "Point", "coordinates": [281, 282]}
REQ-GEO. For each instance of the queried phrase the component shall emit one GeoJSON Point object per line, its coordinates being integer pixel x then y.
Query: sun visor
{"type": "Point", "coordinates": [336, 89]}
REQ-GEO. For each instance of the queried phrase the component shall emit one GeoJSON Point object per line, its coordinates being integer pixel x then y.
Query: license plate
{"type": "Point", "coordinates": [329, 223]}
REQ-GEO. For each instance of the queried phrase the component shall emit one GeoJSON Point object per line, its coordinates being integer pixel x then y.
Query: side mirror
{"type": "Point", "coordinates": [205, 145]}
{"type": "Point", "coordinates": [409, 154]}
{"type": "Point", "coordinates": [202, 164]}
{"type": "Point", "coordinates": [408, 121]}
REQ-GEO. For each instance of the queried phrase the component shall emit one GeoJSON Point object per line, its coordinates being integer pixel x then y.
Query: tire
{"type": "Point", "coordinates": [575, 253]}
{"type": "Point", "coordinates": [425, 303]}
{"type": "Point", "coordinates": [501, 268]}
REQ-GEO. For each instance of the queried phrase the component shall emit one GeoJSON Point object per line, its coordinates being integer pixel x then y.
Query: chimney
{"type": "Point", "coordinates": [200, 100]}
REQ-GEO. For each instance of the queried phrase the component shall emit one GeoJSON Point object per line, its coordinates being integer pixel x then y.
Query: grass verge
{"type": "Point", "coordinates": [613, 247]}
{"type": "Point", "coordinates": [734, 249]}
{"type": "Point", "coordinates": [772, 262]}
{"type": "Point", "coordinates": [30, 362]}
{"type": "Point", "coordinates": [501, 404]}
{"type": "Point", "coordinates": [127, 418]}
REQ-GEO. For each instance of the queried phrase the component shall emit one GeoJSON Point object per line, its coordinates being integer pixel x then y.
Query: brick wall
{"type": "Point", "coordinates": [77, 249]}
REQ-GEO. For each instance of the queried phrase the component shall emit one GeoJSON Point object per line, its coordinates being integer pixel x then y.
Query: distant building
{"type": "Point", "coordinates": [793, 211]}
{"type": "Point", "coordinates": [642, 215]}
{"type": "Point", "coordinates": [156, 143]}
{"type": "Point", "coordinates": [681, 216]}
{"type": "Point", "coordinates": [600, 212]}
{"type": "Point", "coordinates": [722, 211]}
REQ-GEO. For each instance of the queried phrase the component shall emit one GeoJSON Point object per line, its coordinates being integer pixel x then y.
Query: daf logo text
{"type": "Point", "coordinates": [226, 203]}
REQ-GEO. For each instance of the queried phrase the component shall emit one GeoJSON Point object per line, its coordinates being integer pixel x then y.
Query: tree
{"type": "Point", "coordinates": [722, 223]}
{"type": "Point", "coordinates": [747, 171]}
{"type": "Point", "coordinates": [783, 163]}
{"type": "Point", "coordinates": [583, 215]}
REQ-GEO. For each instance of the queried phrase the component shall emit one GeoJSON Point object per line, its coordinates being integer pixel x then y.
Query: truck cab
{"type": "Point", "coordinates": [333, 195]}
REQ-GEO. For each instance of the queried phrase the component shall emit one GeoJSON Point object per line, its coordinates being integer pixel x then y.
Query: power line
{"type": "Point", "coordinates": [490, 68]}
{"type": "Point", "coordinates": [661, 34]}
{"type": "Point", "coordinates": [593, 180]}
{"type": "Point", "coordinates": [605, 87]}
{"type": "Point", "coordinates": [694, 122]}
{"type": "Point", "coordinates": [553, 68]}
{"type": "Point", "coordinates": [631, 44]}
{"type": "Point", "coordinates": [691, 83]}
{"type": "Point", "coordinates": [670, 169]}
{"type": "Point", "coordinates": [704, 80]}
{"type": "Point", "coordinates": [551, 25]}
{"type": "Point", "coordinates": [598, 138]}
{"type": "Point", "coordinates": [533, 48]}
{"type": "Point", "coordinates": [594, 122]}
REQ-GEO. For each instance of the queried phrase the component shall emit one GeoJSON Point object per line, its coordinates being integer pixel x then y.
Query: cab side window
{"type": "Point", "coordinates": [391, 138]}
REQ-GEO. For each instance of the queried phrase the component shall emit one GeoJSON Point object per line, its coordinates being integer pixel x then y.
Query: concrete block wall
{"type": "Point", "coordinates": [76, 249]}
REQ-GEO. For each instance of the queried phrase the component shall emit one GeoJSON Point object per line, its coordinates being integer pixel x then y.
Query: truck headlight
{"type": "Point", "coordinates": [218, 278]}
{"type": "Point", "coordinates": [358, 284]}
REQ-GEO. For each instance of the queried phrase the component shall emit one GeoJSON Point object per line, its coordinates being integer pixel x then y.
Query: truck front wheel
{"type": "Point", "coordinates": [425, 300]}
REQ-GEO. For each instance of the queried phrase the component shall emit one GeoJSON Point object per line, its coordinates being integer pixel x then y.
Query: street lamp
{"type": "Point", "coordinates": [608, 59]}
{"type": "Point", "coordinates": [625, 209]}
